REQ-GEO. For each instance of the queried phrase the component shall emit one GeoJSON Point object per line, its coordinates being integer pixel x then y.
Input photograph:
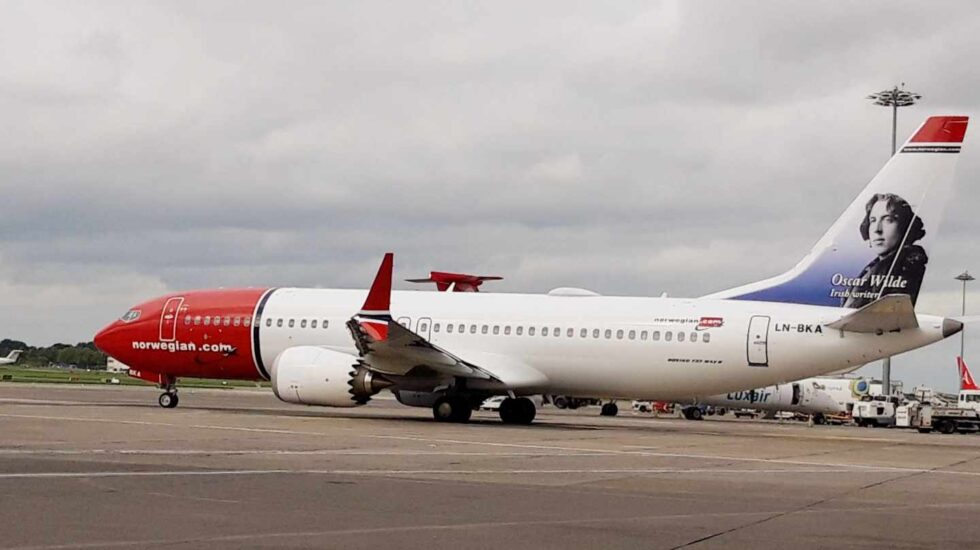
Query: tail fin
{"type": "Point", "coordinates": [12, 356]}
{"type": "Point", "coordinates": [966, 379]}
{"type": "Point", "coordinates": [879, 244]}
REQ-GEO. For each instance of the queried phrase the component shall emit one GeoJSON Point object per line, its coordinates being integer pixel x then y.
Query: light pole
{"type": "Point", "coordinates": [965, 277]}
{"type": "Point", "coordinates": [893, 98]}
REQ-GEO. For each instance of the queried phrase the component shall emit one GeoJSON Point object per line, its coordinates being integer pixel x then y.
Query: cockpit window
{"type": "Point", "coordinates": [131, 315]}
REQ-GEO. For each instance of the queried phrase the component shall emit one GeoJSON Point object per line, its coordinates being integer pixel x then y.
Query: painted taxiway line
{"type": "Point", "coordinates": [435, 472]}
{"type": "Point", "coordinates": [278, 452]}
{"type": "Point", "coordinates": [325, 534]}
{"type": "Point", "coordinates": [552, 448]}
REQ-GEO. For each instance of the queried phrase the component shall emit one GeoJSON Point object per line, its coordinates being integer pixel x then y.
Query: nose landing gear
{"type": "Point", "coordinates": [168, 399]}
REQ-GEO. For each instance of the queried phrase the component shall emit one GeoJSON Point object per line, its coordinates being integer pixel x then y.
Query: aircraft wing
{"type": "Point", "coordinates": [886, 314]}
{"type": "Point", "coordinates": [390, 348]}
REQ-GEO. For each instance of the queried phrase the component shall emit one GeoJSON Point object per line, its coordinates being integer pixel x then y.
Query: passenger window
{"type": "Point", "coordinates": [313, 323]}
{"type": "Point", "coordinates": [608, 333]}
{"type": "Point", "coordinates": [247, 321]}
{"type": "Point", "coordinates": [583, 333]}
{"type": "Point", "coordinates": [643, 335]}
{"type": "Point", "coordinates": [325, 323]}
{"type": "Point", "coordinates": [667, 336]}
{"type": "Point", "coordinates": [435, 327]}
{"type": "Point", "coordinates": [237, 321]}
{"type": "Point", "coordinates": [694, 337]}
{"type": "Point", "coordinates": [279, 322]}
{"type": "Point", "coordinates": [207, 321]}
{"type": "Point", "coordinates": [656, 335]}
{"type": "Point", "coordinates": [302, 324]}
{"type": "Point", "coordinates": [187, 320]}
{"type": "Point", "coordinates": [619, 334]}
{"type": "Point", "coordinates": [520, 331]}
{"type": "Point", "coordinates": [424, 327]}
{"type": "Point", "coordinates": [268, 322]}
{"type": "Point", "coordinates": [680, 336]}
{"type": "Point", "coordinates": [544, 331]}
{"type": "Point", "coordinates": [449, 328]}
{"type": "Point", "coordinates": [496, 330]}
{"type": "Point", "coordinates": [706, 338]}
{"type": "Point", "coordinates": [462, 328]}
{"type": "Point", "coordinates": [291, 323]}
{"type": "Point", "coordinates": [530, 331]}
{"type": "Point", "coordinates": [472, 329]}
{"type": "Point", "coordinates": [556, 332]}
{"type": "Point", "coordinates": [227, 321]}
{"type": "Point", "coordinates": [570, 333]}
{"type": "Point", "coordinates": [595, 333]}
{"type": "Point", "coordinates": [632, 335]}
{"type": "Point", "coordinates": [197, 320]}
{"type": "Point", "coordinates": [507, 330]}
{"type": "Point", "coordinates": [484, 329]}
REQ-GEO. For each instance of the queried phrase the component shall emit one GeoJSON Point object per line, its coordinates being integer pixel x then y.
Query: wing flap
{"type": "Point", "coordinates": [886, 314]}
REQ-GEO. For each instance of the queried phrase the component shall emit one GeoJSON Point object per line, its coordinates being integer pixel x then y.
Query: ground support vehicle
{"type": "Point", "coordinates": [927, 417]}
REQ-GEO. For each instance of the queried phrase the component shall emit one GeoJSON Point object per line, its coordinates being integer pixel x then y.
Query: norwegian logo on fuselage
{"type": "Point", "coordinates": [710, 322]}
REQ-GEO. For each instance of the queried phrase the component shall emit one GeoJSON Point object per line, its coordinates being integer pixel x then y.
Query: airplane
{"type": "Point", "coordinates": [817, 397]}
{"type": "Point", "coordinates": [11, 357]}
{"type": "Point", "coordinates": [452, 350]}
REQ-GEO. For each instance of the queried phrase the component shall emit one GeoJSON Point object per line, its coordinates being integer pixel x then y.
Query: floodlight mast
{"type": "Point", "coordinates": [894, 98]}
{"type": "Point", "coordinates": [965, 277]}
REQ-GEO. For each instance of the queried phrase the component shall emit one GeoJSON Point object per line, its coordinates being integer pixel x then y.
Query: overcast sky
{"type": "Point", "coordinates": [632, 148]}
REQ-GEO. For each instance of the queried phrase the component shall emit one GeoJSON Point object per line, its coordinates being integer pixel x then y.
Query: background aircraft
{"type": "Point", "coordinates": [11, 357]}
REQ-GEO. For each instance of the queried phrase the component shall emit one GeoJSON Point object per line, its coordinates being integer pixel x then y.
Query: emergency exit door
{"type": "Point", "coordinates": [757, 343]}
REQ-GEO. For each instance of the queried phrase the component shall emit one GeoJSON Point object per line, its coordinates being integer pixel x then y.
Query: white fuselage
{"type": "Point", "coordinates": [645, 348]}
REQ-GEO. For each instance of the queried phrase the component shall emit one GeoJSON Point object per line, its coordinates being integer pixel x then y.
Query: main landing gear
{"type": "Point", "coordinates": [518, 410]}
{"type": "Point", "coordinates": [609, 409]}
{"type": "Point", "coordinates": [453, 408]}
{"type": "Point", "coordinates": [168, 399]}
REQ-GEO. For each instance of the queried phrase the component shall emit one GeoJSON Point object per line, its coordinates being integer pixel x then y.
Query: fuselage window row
{"type": "Point", "coordinates": [546, 331]}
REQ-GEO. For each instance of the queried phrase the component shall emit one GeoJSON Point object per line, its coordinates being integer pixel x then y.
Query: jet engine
{"type": "Point", "coordinates": [311, 375]}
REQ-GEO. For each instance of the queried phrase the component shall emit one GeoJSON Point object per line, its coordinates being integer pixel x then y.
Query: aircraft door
{"type": "Point", "coordinates": [797, 395]}
{"type": "Point", "coordinates": [424, 327]}
{"type": "Point", "coordinates": [757, 343]}
{"type": "Point", "coordinates": [168, 319]}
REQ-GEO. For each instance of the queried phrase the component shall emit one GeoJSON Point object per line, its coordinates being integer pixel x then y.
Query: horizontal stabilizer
{"type": "Point", "coordinates": [886, 314]}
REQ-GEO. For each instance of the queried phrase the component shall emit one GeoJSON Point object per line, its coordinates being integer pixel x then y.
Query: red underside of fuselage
{"type": "Point", "coordinates": [169, 336]}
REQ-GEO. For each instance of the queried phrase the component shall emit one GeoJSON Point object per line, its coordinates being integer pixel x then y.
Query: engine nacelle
{"type": "Point", "coordinates": [311, 375]}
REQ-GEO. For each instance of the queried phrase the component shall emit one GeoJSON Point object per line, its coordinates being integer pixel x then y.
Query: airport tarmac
{"type": "Point", "coordinates": [106, 467]}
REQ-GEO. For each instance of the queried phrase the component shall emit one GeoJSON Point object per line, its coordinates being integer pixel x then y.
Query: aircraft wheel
{"type": "Point", "coordinates": [560, 401]}
{"type": "Point", "coordinates": [517, 411]}
{"type": "Point", "coordinates": [819, 419]}
{"type": "Point", "coordinates": [609, 409]}
{"type": "Point", "coordinates": [451, 409]}
{"type": "Point", "coordinates": [168, 400]}
{"type": "Point", "coordinates": [695, 414]}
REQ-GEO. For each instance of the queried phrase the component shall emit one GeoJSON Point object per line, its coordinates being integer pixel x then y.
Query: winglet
{"type": "Point", "coordinates": [379, 297]}
{"type": "Point", "coordinates": [375, 314]}
{"type": "Point", "coordinates": [966, 379]}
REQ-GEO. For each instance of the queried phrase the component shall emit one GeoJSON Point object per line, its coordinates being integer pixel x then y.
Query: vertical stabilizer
{"type": "Point", "coordinates": [966, 379]}
{"type": "Point", "coordinates": [880, 244]}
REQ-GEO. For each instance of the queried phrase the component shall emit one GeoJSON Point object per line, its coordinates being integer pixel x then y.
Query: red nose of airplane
{"type": "Point", "coordinates": [105, 338]}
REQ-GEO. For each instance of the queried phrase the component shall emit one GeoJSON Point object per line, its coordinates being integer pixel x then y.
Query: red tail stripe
{"type": "Point", "coordinates": [942, 129]}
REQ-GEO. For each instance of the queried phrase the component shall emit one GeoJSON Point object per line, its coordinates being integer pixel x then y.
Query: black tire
{"type": "Point", "coordinates": [695, 414]}
{"type": "Point", "coordinates": [560, 401]}
{"type": "Point", "coordinates": [946, 427]}
{"type": "Point", "coordinates": [819, 419]}
{"type": "Point", "coordinates": [443, 409]}
{"type": "Point", "coordinates": [168, 400]}
{"type": "Point", "coordinates": [609, 409]}
{"type": "Point", "coordinates": [517, 411]}
{"type": "Point", "coordinates": [722, 411]}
